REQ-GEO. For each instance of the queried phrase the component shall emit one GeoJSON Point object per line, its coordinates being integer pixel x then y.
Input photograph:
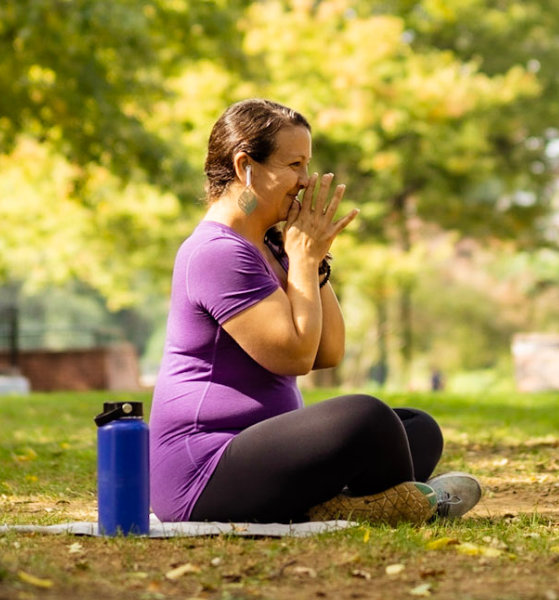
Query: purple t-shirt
{"type": "Point", "coordinates": [209, 389]}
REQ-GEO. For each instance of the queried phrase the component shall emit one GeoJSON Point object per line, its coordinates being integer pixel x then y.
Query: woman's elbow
{"type": "Point", "coordinates": [330, 359]}
{"type": "Point", "coordinates": [291, 366]}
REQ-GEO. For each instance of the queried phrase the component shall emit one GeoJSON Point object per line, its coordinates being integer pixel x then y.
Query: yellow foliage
{"type": "Point", "coordinates": [475, 550]}
{"type": "Point", "coordinates": [27, 455]}
{"type": "Point", "coordinates": [467, 548]}
{"type": "Point", "coordinates": [385, 161]}
{"type": "Point", "coordinates": [440, 10]}
{"type": "Point", "coordinates": [50, 236]}
{"type": "Point", "coordinates": [39, 74]}
{"type": "Point", "coordinates": [35, 581]}
{"type": "Point", "coordinates": [443, 542]}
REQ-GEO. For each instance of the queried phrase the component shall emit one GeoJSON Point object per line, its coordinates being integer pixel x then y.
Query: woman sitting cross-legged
{"type": "Point", "coordinates": [251, 309]}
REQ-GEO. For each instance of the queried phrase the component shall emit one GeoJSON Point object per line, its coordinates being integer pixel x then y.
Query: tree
{"type": "Point", "coordinates": [418, 130]}
{"type": "Point", "coordinates": [94, 161]}
{"type": "Point", "coordinates": [84, 76]}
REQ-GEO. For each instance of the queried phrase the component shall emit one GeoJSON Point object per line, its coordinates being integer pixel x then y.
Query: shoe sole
{"type": "Point", "coordinates": [407, 502]}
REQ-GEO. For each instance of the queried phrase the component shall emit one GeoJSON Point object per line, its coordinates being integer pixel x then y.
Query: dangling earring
{"type": "Point", "coordinates": [247, 200]}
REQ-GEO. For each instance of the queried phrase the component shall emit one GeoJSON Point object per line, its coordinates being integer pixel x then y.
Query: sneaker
{"type": "Point", "coordinates": [457, 493]}
{"type": "Point", "coordinates": [411, 501]}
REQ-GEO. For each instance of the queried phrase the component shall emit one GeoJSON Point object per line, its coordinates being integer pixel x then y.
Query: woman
{"type": "Point", "coordinates": [251, 309]}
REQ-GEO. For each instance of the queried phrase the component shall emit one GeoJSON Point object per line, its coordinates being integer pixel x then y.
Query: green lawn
{"type": "Point", "coordinates": [48, 440]}
{"type": "Point", "coordinates": [47, 475]}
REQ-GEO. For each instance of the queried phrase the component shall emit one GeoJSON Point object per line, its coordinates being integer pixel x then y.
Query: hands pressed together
{"type": "Point", "coordinates": [310, 228]}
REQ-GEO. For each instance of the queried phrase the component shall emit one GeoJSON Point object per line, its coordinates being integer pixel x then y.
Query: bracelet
{"type": "Point", "coordinates": [328, 270]}
{"type": "Point", "coordinates": [324, 263]}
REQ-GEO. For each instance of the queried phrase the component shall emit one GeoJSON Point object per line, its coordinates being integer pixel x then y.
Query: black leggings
{"type": "Point", "coordinates": [279, 468]}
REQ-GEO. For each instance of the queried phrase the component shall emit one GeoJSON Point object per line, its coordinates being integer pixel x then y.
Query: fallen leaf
{"type": "Point", "coordinates": [28, 454]}
{"type": "Point", "coordinates": [422, 590]}
{"type": "Point", "coordinates": [308, 571]}
{"type": "Point", "coordinates": [367, 536]}
{"type": "Point", "coordinates": [182, 570]}
{"type": "Point", "coordinates": [360, 573]}
{"type": "Point", "coordinates": [153, 587]}
{"type": "Point", "coordinates": [442, 543]}
{"type": "Point", "coordinates": [431, 572]}
{"type": "Point", "coordinates": [496, 542]}
{"type": "Point", "coordinates": [475, 550]}
{"type": "Point", "coordinates": [35, 581]}
{"type": "Point", "coordinates": [75, 548]}
{"type": "Point", "coordinates": [347, 559]}
{"type": "Point", "coordinates": [395, 569]}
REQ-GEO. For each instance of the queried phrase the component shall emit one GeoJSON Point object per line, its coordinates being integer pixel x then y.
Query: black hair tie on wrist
{"type": "Point", "coordinates": [325, 268]}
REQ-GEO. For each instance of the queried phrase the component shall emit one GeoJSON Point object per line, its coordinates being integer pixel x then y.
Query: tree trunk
{"type": "Point", "coordinates": [382, 333]}
{"type": "Point", "coordinates": [400, 218]}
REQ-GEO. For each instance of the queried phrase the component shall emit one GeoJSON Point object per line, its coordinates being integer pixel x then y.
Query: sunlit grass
{"type": "Point", "coordinates": [47, 476]}
{"type": "Point", "coordinates": [510, 418]}
{"type": "Point", "coordinates": [48, 441]}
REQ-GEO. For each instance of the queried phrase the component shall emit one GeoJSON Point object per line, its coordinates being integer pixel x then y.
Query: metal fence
{"type": "Point", "coordinates": [16, 336]}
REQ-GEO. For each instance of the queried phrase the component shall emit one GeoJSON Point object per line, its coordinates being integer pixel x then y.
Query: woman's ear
{"type": "Point", "coordinates": [241, 161]}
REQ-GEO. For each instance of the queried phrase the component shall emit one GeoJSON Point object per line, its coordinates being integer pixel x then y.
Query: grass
{"type": "Point", "coordinates": [47, 475]}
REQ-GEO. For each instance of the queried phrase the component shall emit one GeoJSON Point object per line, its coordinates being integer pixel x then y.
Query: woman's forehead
{"type": "Point", "coordinates": [294, 142]}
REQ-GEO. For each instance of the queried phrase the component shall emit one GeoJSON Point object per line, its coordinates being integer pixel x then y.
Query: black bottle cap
{"type": "Point", "coordinates": [118, 410]}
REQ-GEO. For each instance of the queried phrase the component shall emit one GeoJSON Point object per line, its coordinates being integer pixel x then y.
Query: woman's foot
{"type": "Point", "coordinates": [457, 493]}
{"type": "Point", "coordinates": [411, 502]}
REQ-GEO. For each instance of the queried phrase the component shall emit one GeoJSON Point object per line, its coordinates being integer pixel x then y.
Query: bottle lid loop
{"type": "Point", "coordinates": [117, 410]}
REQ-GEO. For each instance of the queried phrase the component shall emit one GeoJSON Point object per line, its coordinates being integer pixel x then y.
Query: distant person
{"type": "Point", "coordinates": [437, 381]}
{"type": "Point", "coordinates": [251, 309]}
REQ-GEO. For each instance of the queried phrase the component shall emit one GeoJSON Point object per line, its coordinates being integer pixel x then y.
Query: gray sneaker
{"type": "Point", "coordinates": [457, 493]}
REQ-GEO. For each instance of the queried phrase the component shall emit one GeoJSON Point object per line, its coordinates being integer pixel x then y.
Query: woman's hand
{"type": "Point", "coordinates": [283, 332]}
{"type": "Point", "coordinates": [310, 230]}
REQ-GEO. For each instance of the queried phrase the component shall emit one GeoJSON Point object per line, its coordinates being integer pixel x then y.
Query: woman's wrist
{"type": "Point", "coordinates": [324, 272]}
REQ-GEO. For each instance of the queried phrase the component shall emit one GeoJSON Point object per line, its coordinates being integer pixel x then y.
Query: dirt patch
{"type": "Point", "coordinates": [38, 509]}
{"type": "Point", "coordinates": [222, 568]}
{"type": "Point", "coordinates": [512, 498]}
{"type": "Point", "coordinates": [517, 559]}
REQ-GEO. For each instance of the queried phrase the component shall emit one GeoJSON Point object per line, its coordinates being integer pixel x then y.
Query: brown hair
{"type": "Point", "coordinates": [249, 126]}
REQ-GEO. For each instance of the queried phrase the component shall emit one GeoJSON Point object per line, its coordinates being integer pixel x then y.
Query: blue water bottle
{"type": "Point", "coordinates": [122, 469]}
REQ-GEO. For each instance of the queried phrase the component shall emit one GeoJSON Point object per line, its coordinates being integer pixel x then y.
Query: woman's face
{"type": "Point", "coordinates": [278, 181]}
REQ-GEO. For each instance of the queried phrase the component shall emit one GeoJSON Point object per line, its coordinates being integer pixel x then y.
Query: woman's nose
{"type": "Point", "coordinates": [303, 179]}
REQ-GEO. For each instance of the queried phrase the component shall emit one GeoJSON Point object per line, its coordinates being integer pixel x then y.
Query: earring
{"type": "Point", "coordinates": [247, 200]}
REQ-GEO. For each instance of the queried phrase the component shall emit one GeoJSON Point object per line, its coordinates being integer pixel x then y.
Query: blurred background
{"type": "Point", "coordinates": [442, 117]}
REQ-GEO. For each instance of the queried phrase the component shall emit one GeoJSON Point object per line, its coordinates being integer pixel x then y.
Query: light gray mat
{"type": "Point", "coordinates": [159, 529]}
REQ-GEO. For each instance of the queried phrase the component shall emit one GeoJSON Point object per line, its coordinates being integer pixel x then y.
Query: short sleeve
{"type": "Point", "coordinates": [225, 276]}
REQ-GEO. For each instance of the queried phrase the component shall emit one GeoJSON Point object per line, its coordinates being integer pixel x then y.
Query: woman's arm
{"type": "Point", "coordinates": [283, 332]}
{"type": "Point", "coordinates": [332, 342]}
